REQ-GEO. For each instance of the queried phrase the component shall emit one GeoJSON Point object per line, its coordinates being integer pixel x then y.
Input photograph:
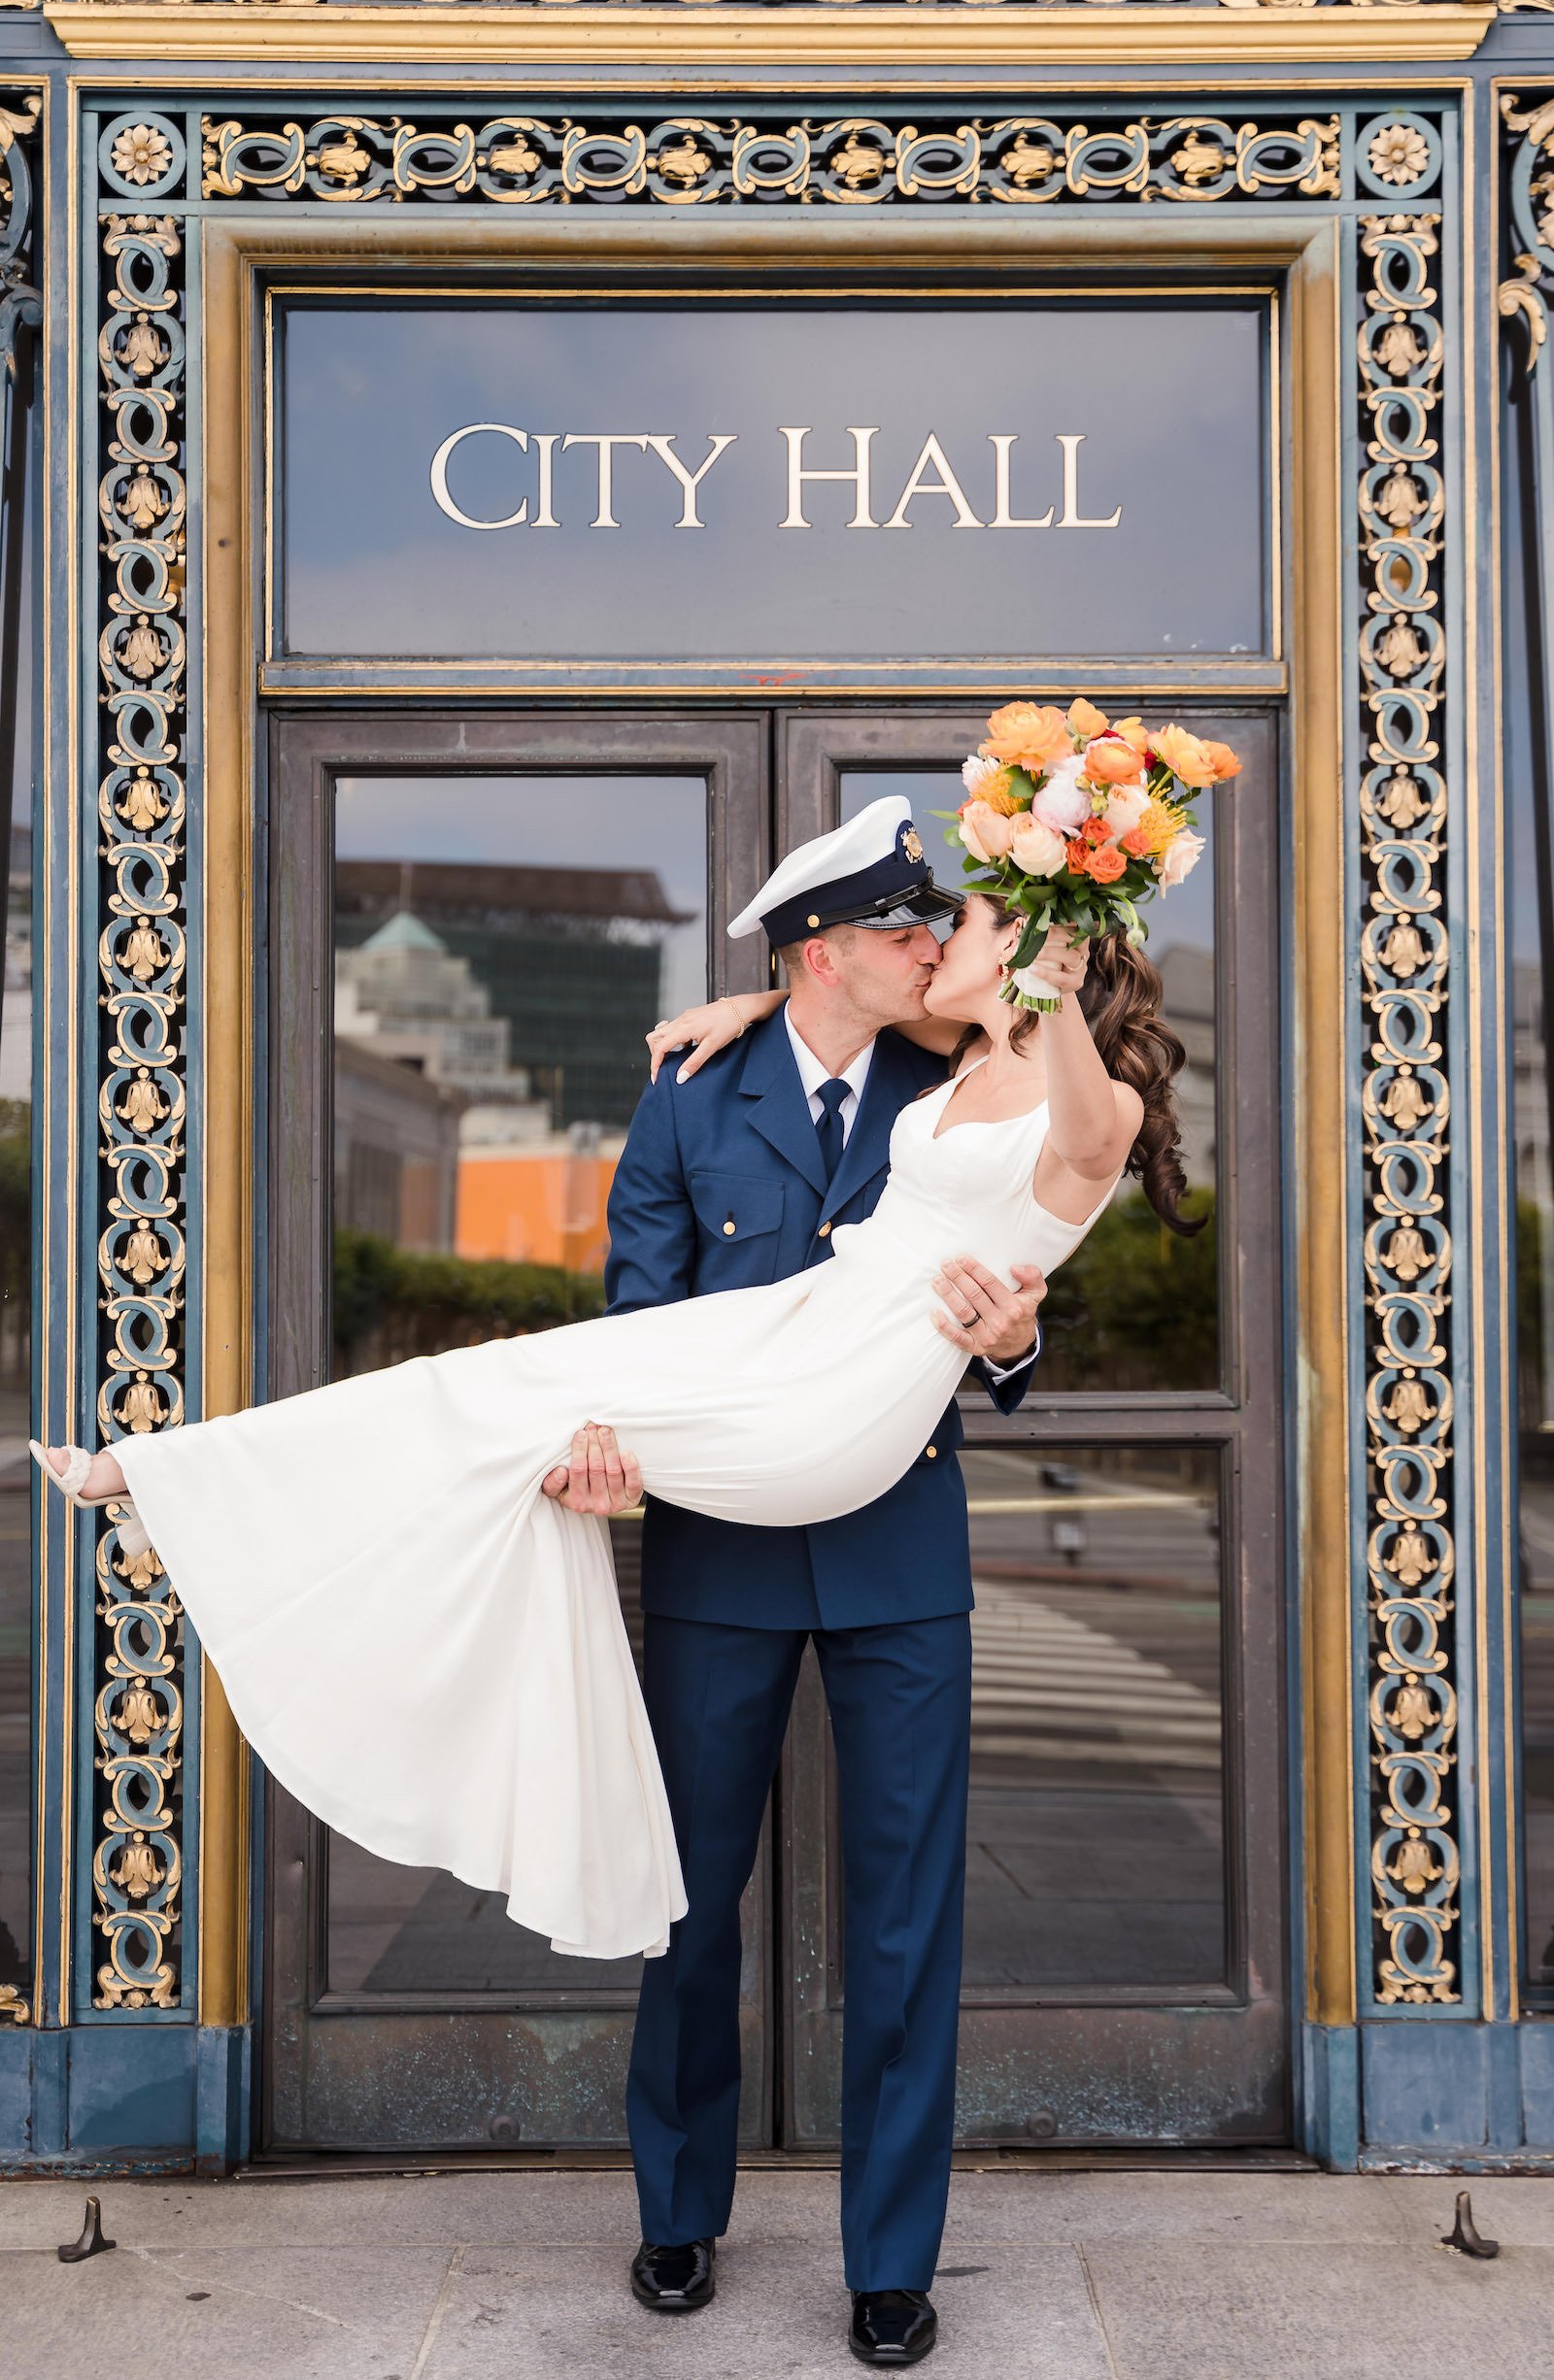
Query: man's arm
{"type": "Point", "coordinates": [993, 1323]}
{"type": "Point", "coordinates": [652, 1256]}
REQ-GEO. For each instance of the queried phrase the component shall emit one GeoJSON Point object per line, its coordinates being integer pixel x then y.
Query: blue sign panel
{"type": "Point", "coordinates": [775, 484]}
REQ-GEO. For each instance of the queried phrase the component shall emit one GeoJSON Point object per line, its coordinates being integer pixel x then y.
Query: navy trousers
{"type": "Point", "coordinates": [900, 1708]}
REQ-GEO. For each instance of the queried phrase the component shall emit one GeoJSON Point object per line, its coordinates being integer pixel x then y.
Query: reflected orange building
{"type": "Point", "coordinates": [539, 1202]}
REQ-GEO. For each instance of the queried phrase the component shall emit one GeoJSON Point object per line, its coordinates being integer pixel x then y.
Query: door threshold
{"type": "Point", "coordinates": [326, 2165]}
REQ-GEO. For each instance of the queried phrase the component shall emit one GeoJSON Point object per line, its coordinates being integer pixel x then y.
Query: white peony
{"type": "Point", "coordinates": [1035, 847]}
{"type": "Point", "coordinates": [1062, 803]}
{"type": "Point", "coordinates": [1179, 858]}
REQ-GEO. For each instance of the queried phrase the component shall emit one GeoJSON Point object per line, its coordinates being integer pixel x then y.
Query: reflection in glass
{"type": "Point", "coordinates": [1095, 1843]}
{"type": "Point", "coordinates": [15, 1331]}
{"type": "Point", "coordinates": [501, 946]}
{"type": "Point", "coordinates": [1135, 1307]}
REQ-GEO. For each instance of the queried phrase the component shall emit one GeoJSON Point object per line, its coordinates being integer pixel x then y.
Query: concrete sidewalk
{"type": "Point", "coordinates": [1044, 2276]}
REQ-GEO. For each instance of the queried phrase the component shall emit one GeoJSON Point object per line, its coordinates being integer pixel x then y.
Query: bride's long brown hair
{"type": "Point", "coordinates": [1120, 1000]}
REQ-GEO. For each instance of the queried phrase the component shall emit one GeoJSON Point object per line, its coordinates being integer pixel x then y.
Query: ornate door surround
{"type": "Point", "coordinates": [1361, 216]}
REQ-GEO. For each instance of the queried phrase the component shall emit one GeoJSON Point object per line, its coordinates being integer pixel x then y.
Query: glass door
{"type": "Point", "coordinates": [474, 919]}
{"type": "Point", "coordinates": [1125, 1975]}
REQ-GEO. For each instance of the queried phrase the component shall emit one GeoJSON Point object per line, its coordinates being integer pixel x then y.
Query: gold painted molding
{"type": "Point", "coordinates": [491, 33]}
{"type": "Point", "coordinates": [239, 253]}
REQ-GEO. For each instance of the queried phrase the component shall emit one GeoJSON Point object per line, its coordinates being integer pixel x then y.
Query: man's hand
{"type": "Point", "coordinates": [984, 1316]}
{"type": "Point", "coordinates": [600, 1477]}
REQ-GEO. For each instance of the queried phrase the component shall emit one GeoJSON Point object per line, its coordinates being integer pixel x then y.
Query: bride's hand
{"type": "Point", "coordinates": [710, 1029]}
{"type": "Point", "coordinates": [1062, 962]}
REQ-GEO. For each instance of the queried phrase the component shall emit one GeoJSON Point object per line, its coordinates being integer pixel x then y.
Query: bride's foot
{"type": "Point", "coordinates": [90, 1481]}
{"type": "Point", "coordinates": [105, 1478]}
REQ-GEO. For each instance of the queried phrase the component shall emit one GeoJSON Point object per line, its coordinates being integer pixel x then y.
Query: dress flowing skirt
{"type": "Point", "coordinates": [429, 1653]}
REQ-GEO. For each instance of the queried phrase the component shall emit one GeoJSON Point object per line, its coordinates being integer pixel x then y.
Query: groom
{"type": "Point", "coordinates": [735, 1177]}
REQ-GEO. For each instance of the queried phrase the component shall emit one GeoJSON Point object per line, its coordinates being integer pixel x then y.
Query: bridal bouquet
{"type": "Point", "coordinates": [1074, 818]}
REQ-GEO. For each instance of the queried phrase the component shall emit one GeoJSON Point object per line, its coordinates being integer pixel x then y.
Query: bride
{"type": "Point", "coordinates": [427, 1650]}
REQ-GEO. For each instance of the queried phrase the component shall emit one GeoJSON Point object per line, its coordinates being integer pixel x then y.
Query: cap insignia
{"type": "Point", "coordinates": [911, 843]}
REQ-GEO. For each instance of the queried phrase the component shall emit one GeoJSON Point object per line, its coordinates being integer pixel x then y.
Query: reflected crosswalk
{"type": "Point", "coordinates": [1047, 1686]}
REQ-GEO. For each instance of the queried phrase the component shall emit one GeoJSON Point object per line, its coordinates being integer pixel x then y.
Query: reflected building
{"type": "Point", "coordinates": [569, 958]}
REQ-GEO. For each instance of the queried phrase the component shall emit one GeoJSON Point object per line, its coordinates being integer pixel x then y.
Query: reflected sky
{"type": "Point", "coordinates": [1166, 400]}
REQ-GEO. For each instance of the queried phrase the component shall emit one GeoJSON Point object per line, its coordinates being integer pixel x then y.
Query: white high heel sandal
{"type": "Point", "coordinates": [132, 1536]}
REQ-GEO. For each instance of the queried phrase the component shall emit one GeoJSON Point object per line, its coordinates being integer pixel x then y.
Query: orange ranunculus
{"type": "Point", "coordinates": [1084, 719]}
{"type": "Point", "coordinates": [1226, 762]}
{"type": "Point", "coordinates": [1031, 735]}
{"type": "Point", "coordinates": [1185, 755]}
{"type": "Point", "coordinates": [1135, 843]}
{"type": "Point", "coordinates": [1110, 759]}
{"type": "Point", "coordinates": [1097, 830]}
{"type": "Point", "coordinates": [1106, 863]}
{"type": "Point", "coordinates": [1132, 732]}
{"type": "Point", "coordinates": [1079, 858]}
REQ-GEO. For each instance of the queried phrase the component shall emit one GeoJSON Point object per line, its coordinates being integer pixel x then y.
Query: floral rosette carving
{"type": "Point", "coordinates": [1073, 819]}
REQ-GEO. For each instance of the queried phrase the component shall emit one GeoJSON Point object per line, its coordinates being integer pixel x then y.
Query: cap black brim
{"type": "Point", "coordinates": [917, 908]}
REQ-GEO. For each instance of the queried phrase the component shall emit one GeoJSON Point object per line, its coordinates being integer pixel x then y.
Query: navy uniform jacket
{"type": "Point", "coordinates": [737, 1141]}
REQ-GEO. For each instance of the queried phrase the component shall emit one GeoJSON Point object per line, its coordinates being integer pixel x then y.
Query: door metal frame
{"type": "Point", "coordinates": [324, 2054]}
{"type": "Point", "coordinates": [1220, 2058]}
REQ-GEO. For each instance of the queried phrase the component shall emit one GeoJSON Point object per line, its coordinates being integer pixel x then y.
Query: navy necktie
{"type": "Point", "coordinates": [829, 1123]}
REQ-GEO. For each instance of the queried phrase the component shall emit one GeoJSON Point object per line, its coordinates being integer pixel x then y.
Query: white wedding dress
{"type": "Point", "coordinates": [429, 1654]}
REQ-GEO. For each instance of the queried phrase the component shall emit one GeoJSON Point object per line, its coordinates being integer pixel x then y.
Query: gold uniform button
{"type": "Point", "coordinates": [729, 1229]}
{"type": "Point", "coordinates": [824, 1232]}
{"type": "Point", "coordinates": [814, 921]}
{"type": "Point", "coordinates": [931, 1452]}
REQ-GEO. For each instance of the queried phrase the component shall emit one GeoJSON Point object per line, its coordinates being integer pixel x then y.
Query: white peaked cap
{"type": "Point", "coordinates": [870, 871]}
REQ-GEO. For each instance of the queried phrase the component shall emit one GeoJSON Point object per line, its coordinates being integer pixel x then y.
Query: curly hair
{"type": "Point", "coordinates": [1120, 1000]}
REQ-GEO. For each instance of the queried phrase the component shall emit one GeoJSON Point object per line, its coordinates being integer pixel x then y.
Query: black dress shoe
{"type": "Point", "coordinates": [674, 2280]}
{"type": "Point", "coordinates": [892, 2326]}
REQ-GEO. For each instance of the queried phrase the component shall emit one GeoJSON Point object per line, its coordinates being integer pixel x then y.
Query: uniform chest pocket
{"type": "Point", "coordinates": [733, 1208]}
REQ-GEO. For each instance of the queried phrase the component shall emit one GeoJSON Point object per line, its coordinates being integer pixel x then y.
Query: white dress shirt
{"type": "Point", "coordinates": [812, 1074]}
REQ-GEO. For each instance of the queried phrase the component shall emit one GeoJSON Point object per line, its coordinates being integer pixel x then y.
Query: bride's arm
{"type": "Point", "coordinates": [1092, 1119]}
{"type": "Point", "coordinates": [710, 1027]}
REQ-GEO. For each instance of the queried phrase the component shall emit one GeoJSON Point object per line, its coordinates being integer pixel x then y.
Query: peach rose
{"type": "Point", "coordinates": [1226, 762]}
{"type": "Point", "coordinates": [1085, 721]}
{"type": "Point", "coordinates": [1185, 755]}
{"type": "Point", "coordinates": [1062, 803]}
{"type": "Point", "coordinates": [1179, 859]}
{"type": "Point", "coordinates": [985, 831]}
{"type": "Point", "coordinates": [1132, 732]}
{"type": "Point", "coordinates": [1125, 807]}
{"type": "Point", "coordinates": [1031, 735]}
{"type": "Point", "coordinates": [1106, 863]}
{"type": "Point", "coordinates": [1035, 847]}
{"type": "Point", "coordinates": [987, 781]}
{"type": "Point", "coordinates": [1110, 759]}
